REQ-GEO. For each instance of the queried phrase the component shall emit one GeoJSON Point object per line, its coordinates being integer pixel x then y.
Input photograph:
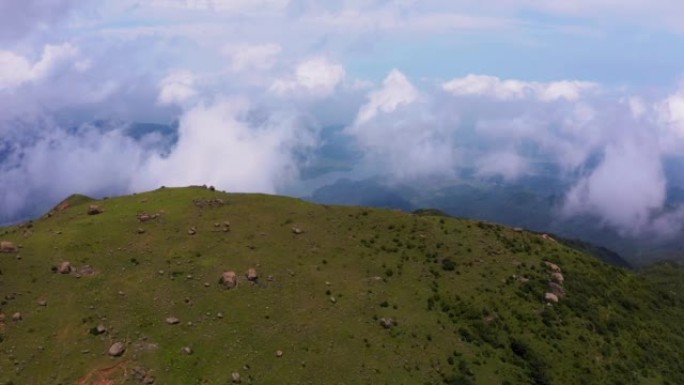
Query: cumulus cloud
{"type": "Point", "coordinates": [313, 77]}
{"type": "Point", "coordinates": [400, 134]}
{"type": "Point", "coordinates": [252, 57]}
{"type": "Point", "coordinates": [626, 190]}
{"type": "Point", "coordinates": [16, 70]}
{"type": "Point", "coordinates": [492, 86]}
{"type": "Point", "coordinates": [221, 144]}
{"type": "Point", "coordinates": [396, 91]}
{"type": "Point", "coordinates": [177, 88]}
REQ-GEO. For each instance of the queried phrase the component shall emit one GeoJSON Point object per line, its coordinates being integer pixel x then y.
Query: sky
{"type": "Point", "coordinates": [420, 88]}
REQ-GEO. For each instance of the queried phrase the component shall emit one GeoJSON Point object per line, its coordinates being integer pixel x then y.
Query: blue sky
{"type": "Point", "coordinates": [595, 85]}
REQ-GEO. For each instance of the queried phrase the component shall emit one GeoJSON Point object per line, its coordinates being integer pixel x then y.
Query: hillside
{"type": "Point", "coordinates": [342, 295]}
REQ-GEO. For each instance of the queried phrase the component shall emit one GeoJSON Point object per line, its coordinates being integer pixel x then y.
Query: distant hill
{"type": "Point", "coordinates": [323, 295]}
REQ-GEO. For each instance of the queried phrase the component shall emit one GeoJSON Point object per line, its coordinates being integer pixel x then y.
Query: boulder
{"type": "Point", "coordinates": [8, 247]}
{"type": "Point", "coordinates": [235, 376]}
{"type": "Point", "coordinates": [553, 267]}
{"type": "Point", "coordinates": [556, 289]}
{"type": "Point", "coordinates": [550, 297]}
{"type": "Point", "coordinates": [558, 278]}
{"type": "Point", "coordinates": [228, 279]}
{"type": "Point", "coordinates": [387, 323]}
{"type": "Point", "coordinates": [117, 349]}
{"type": "Point", "coordinates": [252, 274]}
{"type": "Point", "coordinates": [64, 267]}
{"type": "Point", "coordinates": [94, 210]}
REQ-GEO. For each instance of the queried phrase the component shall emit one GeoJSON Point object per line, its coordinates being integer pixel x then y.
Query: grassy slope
{"type": "Point", "coordinates": [473, 324]}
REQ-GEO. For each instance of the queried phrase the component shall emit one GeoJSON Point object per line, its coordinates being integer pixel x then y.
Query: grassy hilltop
{"type": "Point", "coordinates": [358, 296]}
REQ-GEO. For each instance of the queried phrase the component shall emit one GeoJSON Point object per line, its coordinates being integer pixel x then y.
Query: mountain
{"type": "Point", "coordinates": [135, 290]}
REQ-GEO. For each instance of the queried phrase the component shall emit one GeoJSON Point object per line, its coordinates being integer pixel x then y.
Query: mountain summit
{"type": "Point", "coordinates": [196, 286]}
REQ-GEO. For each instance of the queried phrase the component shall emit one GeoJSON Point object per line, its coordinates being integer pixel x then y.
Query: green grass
{"type": "Point", "coordinates": [453, 286]}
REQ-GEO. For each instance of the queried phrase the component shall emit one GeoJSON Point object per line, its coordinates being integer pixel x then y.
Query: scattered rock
{"type": "Point", "coordinates": [100, 329]}
{"type": "Point", "coordinates": [94, 210]}
{"type": "Point", "coordinates": [192, 231]}
{"type": "Point", "coordinates": [553, 267]}
{"type": "Point", "coordinates": [187, 350]}
{"type": "Point", "coordinates": [296, 230]}
{"type": "Point", "coordinates": [202, 203]}
{"type": "Point", "coordinates": [8, 247]}
{"type": "Point", "coordinates": [42, 302]}
{"type": "Point", "coordinates": [269, 278]}
{"type": "Point", "coordinates": [64, 267]}
{"type": "Point", "coordinates": [17, 317]}
{"type": "Point", "coordinates": [86, 270]}
{"type": "Point", "coordinates": [550, 297]}
{"type": "Point", "coordinates": [117, 349]}
{"type": "Point", "coordinates": [235, 377]}
{"type": "Point", "coordinates": [387, 323]}
{"type": "Point", "coordinates": [252, 274]}
{"type": "Point", "coordinates": [558, 278]}
{"type": "Point", "coordinates": [556, 289]}
{"type": "Point", "coordinates": [172, 320]}
{"type": "Point", "coordinates": [228, 279]}
{"type": "Point", "coordinates": [279, 353]}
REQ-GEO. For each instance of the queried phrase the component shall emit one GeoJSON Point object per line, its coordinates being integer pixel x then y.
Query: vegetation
{"type": "Point", "coordinates": [355, 296]}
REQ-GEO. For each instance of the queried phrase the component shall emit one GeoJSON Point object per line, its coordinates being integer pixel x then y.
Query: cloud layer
{"type": "Point", "coordinates": [254, 87]}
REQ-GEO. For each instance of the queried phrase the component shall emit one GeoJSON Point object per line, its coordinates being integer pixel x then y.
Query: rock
{"type": "Point", "coordinates": [86, 270]}
{"type": "Point", "coordinates": [17, 317]}
{"type": "Point", "coordinates": [94, 210]}
{"type": "Point", "coordinates": [553, 267]}
{"type": "Point", "coordinates": [140, 230]}
{"type": "Point", "coordinates": [64, 267]}
{"type": "Point", "coordinates": [518, 229]}
{"type": "Point", "coordinates": [187, 350]}
{"type": "Point", "coordinates": [556, 289]}
{"type": "Point", "coordinates": [333, 299]}
{"type": "Point", "coordinates": [192, 231]}
{"type": "Point", "coordinates": [550, 297]}
{"type": "Point", "coordinates": [172, 320]}
{"type": "Point", "coordinates": [42, 302]}
{"type": "Point", "coordinates": [386, 323]}
{"type": "Point", "coordinates": [228, 279]}
{"type": "Point", "coordinates": [279, 353]}
{"type": "Point", "coordinates": [252, 274]}
{"type": "Point", "coordinates": [296, 230]}
{"type": "Point", "coordinates": [117, 349]}
{"type": "Point", "coordinates": [235, 377]}
{"type": "Point", "coordinates": [558, 278]}
{"type": "Point", "coordinates": [8, 247]}
{"type": "Point", "coordinates": [548, 238]}
{"type": "Point", "coordinates": [148, 379]}
{"type": "Point", "coordinates": [100, 329]}
{"type": "Point", "coordinates": [269, 278]}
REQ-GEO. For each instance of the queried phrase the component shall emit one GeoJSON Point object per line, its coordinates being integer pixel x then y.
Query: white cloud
{"type": "Point", "coordinates": [396, 91]}
{"type": "Point", "coordinates": [252, 57]}
{"type": "Point", "coordinates": [626, 189]}
{"type": "Point", "coordinates": [492, 86]}
{"type": "Point", "coordinates": [16, 70]}
{"type": "Point", "coordinates": [507, 164]}
{"type": "Point", "coordinates": [219, 145]}
{"type": "Point", "coordinates": [313, 77]}
{"type": "Point", "coordinates": [400, 134]}
{"type": "Point", "coordinates": [177, 88]}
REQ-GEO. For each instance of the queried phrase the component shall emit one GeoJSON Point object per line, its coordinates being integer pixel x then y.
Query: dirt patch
{"type": "Point", "coordinates": [111, 375]}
